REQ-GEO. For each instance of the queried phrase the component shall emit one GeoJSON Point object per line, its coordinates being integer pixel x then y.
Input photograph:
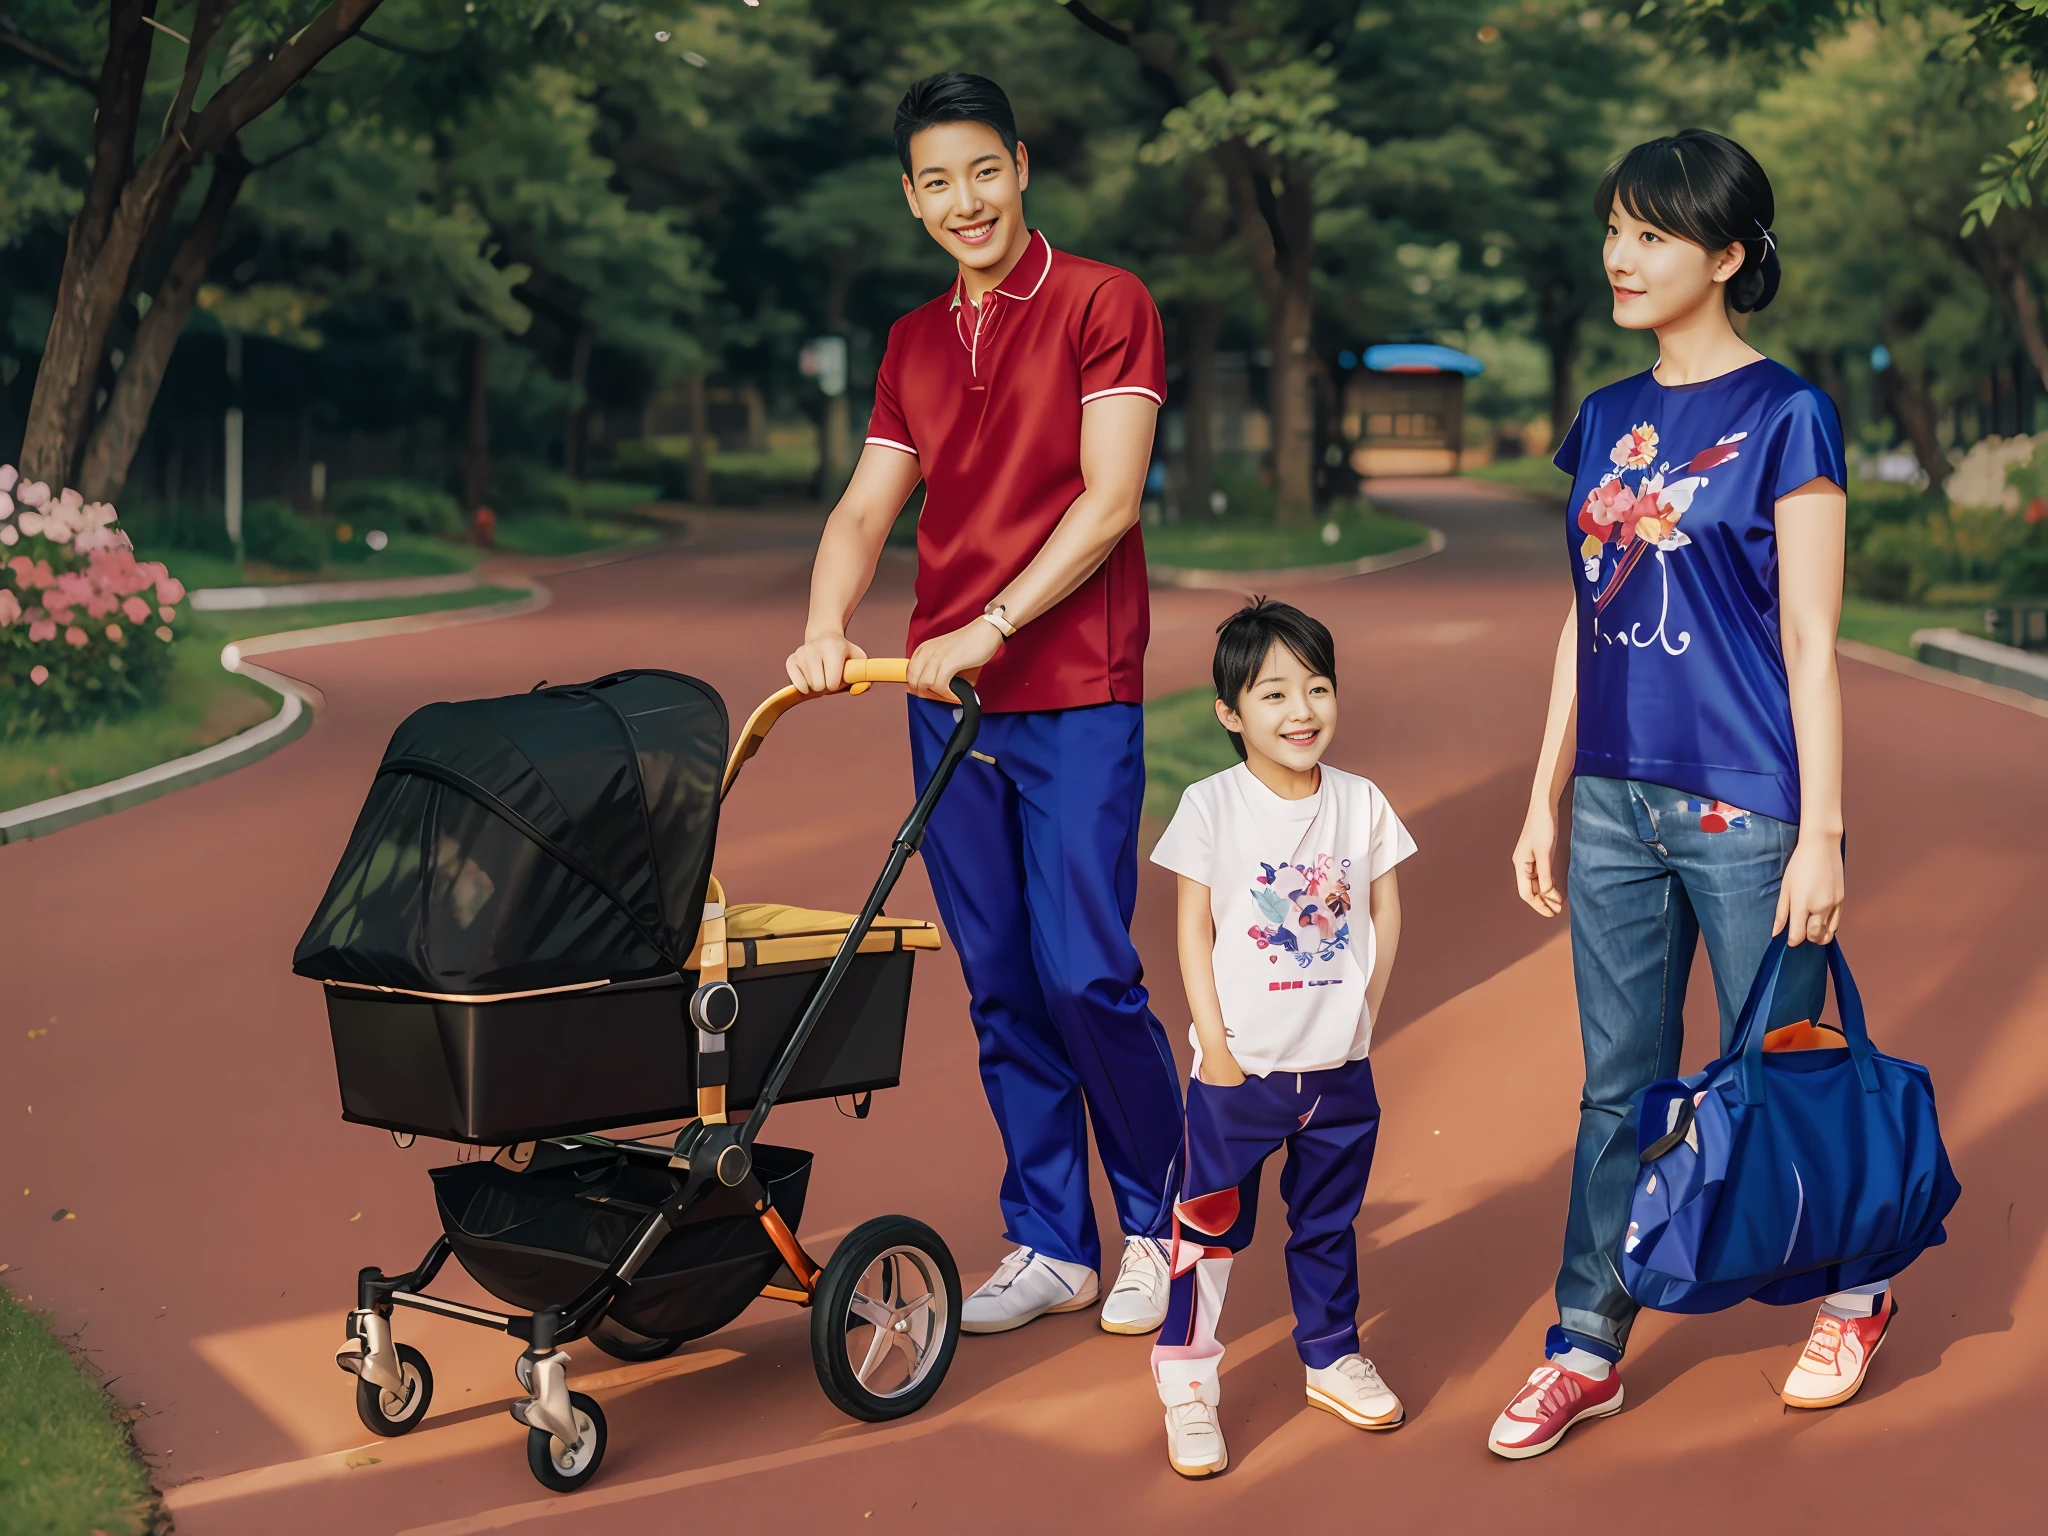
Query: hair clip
{"type": "Point", "coordinates": [1770, 243]}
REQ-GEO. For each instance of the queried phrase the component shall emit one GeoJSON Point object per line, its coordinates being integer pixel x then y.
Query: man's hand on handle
{"type": "Point", "coordinates": [819, 664]}
{"type": "Point", "coordinates": [962, 653]}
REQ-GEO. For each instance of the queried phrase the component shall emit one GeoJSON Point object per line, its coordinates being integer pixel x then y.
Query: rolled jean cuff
{"type": "Point", "coordinates": [1607, 1343]}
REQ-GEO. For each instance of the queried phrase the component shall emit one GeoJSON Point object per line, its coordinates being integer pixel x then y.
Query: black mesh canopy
{"type": "Point", "coordinates": [540, 840]}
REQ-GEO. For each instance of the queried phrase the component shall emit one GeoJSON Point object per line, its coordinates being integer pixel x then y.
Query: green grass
{"type": "Point", "coordinates": [1891, 625]}
{"type": "Point", "coordinates": [1532, 473]}
{"type": "Point", "coordinates": [204, 703]}
{"type": "Point", "coordinates": [66, 1463]}
{"type": "Point", "coordinates": [408, 555]}
{"type": "Point", "coordinates": [1234, 544]}
{"type": "Point", "coordinates": [1183, 743]}
{"type": "Point", "coordinates": [549, 536]}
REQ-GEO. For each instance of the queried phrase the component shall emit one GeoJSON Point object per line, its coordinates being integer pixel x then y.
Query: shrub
{"type": "Point", "coordinates": [2026, 573]}
{"type": "Point", "coordinates": [394, 504]}
{"type": "Point", "coordinates": [273, 533]}
{"type": "Point", "coordinates": [179, 525]}
{"type": "Point", "coordinates": [85, 627]}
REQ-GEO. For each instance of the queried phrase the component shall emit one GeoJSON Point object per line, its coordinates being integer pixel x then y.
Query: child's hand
{"type": "Point", "coordinates": [1220, 1069]}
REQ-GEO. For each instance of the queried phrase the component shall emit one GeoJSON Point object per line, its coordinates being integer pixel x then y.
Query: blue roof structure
{"type": "Point", "coordinates": [1415, 357]}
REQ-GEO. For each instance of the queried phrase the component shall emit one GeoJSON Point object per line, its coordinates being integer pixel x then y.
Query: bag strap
{"type": "Point", "coordinates": [1756, 1011]}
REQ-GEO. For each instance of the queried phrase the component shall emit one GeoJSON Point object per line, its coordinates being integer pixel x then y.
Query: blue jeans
{"type": "Point", "coordinates": [1034, 860]}
{"type": "Point", "coordinates": [1647, 883]}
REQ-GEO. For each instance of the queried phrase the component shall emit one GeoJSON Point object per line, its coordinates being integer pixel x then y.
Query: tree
{"type": "Point", "coordinates": [272, 47]}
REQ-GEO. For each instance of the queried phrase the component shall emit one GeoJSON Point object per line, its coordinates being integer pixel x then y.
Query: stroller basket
{"type": "Point", "coordinates": [537, 1239]}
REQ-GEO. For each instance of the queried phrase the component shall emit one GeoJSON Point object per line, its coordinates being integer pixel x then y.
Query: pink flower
{"type": "Point", "coordinates": [163, 633]}
{"type": "Point", "coordinates": [137, 610]}
{"type": "Point", "coordinates": [33, 493]}
{"type": "Point", "coordinates": [10, 607]}
{"type": "Point", "coordinates": [9, 533]}
{"type": "Point", "coordinates": [75, 637]}
{"type": "Point", "coordinates": [1636, 449]}
{"type": "Point", "coordinates": [169, 589]}
{"type": "Point", "coordinates": [8, 475]}
{"type": "Point", "coordinates": [40, 630]}
{"type": "Point", "coordinates": [114, 633]}
{"type": "Point", "coordinates": [31, 575]}
{"type": "Point", "coordinates": [39, 675]}
{"type": "Point", "coordinates": [167, 613]}
{"type": "Point", "coordinates": [31, 523]}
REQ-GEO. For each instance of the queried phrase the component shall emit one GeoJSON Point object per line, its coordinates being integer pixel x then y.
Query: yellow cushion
{"type": "Point", "coordinates": [769, 933]}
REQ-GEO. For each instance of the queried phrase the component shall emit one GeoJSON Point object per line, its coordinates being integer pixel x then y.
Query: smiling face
{"type": "Point", "coordinates": [1287, 715]}
{"type": "Point", "coordinates": [968, 192]}
{"type": "Point", "coordinates": [1658, 277]}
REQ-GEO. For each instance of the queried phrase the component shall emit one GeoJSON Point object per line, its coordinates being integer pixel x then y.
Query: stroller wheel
{"type": "Point", "coordinates": [565, 1468]}
{"type": "Point", "coordinates": [385, 1412]}
{"type": "Point", "coordinates": [622, 1343]}
{"type": "Point", "coordinates": [886, 1319]}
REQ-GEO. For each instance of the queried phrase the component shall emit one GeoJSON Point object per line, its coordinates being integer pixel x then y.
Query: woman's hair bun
{"type": "Point", "coordinates": [1708, 189]}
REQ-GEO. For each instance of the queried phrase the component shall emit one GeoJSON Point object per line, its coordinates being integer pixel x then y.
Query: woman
{"type": "Point", "coordinates": [1695, 700]}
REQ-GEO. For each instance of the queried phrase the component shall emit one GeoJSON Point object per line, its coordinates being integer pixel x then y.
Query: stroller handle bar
{"type": "Point", "coordinates": [861, 673]}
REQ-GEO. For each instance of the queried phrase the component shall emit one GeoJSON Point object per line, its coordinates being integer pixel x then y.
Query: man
{"type": "Point", "coordinates": [1025, 397]}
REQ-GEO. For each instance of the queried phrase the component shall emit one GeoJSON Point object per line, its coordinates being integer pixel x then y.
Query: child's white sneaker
{"type": "Point", "coordinates": [1137, 1302]}
{"type": "Point", "coordinates": [1194, 1440]}
{"type": "Point", "coordinates": [1352, 1390]}
{"type": "Point", "coordinates": [1026, 1285]}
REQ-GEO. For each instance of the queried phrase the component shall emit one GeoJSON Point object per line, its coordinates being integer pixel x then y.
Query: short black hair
{"type": "Point", "coordinates": [1245, 639]}
{"type": "Point", "coordinates": [1706, 189]}
{"type": "Point", "coordinates": [953, 96]}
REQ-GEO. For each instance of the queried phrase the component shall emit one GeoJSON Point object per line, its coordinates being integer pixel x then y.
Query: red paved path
{"type": "Point", "coordinates": [184, 1108]}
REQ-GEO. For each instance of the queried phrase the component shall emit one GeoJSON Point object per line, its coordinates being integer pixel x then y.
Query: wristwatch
{"type": "Point", "coordinates": [998, 614]}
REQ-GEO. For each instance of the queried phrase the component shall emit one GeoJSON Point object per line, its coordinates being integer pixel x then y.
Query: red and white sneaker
{"type": "Point", "coordinates": [1551, 1402]}
{"type": "Point", "coordinates": [1837, 1357]}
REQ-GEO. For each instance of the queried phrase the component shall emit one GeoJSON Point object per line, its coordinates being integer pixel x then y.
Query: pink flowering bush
{"type": "Point", "coordinates": [85, 627]}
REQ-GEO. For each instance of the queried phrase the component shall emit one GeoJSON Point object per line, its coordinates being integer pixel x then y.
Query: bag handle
{"type": "Point", "coordinates": [1756, 1009]}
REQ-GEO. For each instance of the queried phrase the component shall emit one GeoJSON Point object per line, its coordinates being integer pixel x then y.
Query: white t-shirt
{"type": "Point", "coordinates": [1288, 888]}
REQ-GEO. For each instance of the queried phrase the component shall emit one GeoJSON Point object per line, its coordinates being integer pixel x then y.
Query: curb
{"type": "Point", "coordinates": [1244, 581]}
{"type": "Point", "coordinates": [1941, 677]}
{"type": "Point", "coordinates": [293, 719]}
{"type": "Point", "coordinates": [1985, 660]}
{"type": "Point", "coordinates": [301, 594]}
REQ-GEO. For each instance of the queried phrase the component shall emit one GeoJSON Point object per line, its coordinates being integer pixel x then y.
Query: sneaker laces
{"type": "Point", "coordinates": [1139, 1270]}
{"type": "Point", "coordinates": [1825, 1345]}
{"type": "Point", "coordinates": [1550, 1387]}
{"type": "Point", "coordinates": [1362, 1371]}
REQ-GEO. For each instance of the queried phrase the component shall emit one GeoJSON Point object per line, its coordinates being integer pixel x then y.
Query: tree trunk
{"type": "Point", "coordinates": [576, 430]}
{"type": "Point", "coordinates": [1558, 324]}
{"type": "Point", "coordinates": [700, 443]}
{"type": "Point", "coordinates": [111, 449]}
{"type": "Point", "coordinates": [2028, 309]}
{"type": "Point", "coordinates": [1201, 330]}
{"type": "Point", "coordinates": [476, 444]}
{"type": "Point", "coordinates": [1290, 390]}
{"type": "Point", "coordinates": [1913, 408]}
{"type": "Point", "coordinates": [124, 201]}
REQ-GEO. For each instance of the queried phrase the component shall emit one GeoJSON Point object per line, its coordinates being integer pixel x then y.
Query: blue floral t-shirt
{"type": "Point", "coordinates": [1674, 549]}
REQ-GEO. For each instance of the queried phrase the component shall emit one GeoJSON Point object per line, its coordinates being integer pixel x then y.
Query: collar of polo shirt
{"type": "Point", "coordinates": [1039, 246]}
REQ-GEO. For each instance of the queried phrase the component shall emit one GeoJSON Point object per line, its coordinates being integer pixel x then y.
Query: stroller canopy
{"type": "Point", "coordinates": [549, 839]}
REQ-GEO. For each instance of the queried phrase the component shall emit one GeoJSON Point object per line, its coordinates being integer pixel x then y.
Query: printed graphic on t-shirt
{"type": "Point", "coordinates": [1623, 524]}
{"type": "Point", "coordinates": [1304, 906]}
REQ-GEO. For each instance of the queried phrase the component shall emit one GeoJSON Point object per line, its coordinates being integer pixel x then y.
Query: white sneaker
{"type": "Point", "coordinates": [1194, 1440]}
{"type": "Point", "coordinates": [1352, 1390]}
{"type": "Point", "coordinates": [1027, 1284]}
{"type": "Point", "coordinates": [1137, 1302]}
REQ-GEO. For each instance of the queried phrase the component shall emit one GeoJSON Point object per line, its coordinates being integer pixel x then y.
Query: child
{"type": "Point", "coordinates": [1284, 975]}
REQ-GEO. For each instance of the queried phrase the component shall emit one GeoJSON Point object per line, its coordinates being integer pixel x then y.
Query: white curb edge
{"type": "Point", "coordinates": [293, 719]}
{"type": "Point", "coordinates": [1245, 581]}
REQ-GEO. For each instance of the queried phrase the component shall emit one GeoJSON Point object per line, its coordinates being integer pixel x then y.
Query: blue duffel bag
{"type": "Point", "coordinates": [1785, 1170]}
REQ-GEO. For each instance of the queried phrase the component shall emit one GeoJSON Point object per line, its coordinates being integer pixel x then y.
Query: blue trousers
{"type": "Point", "coordinates": [1653, 870]}
{"type": "Point", "coordinates": [1034, 860]}
{"type": "Point", "coordinates": [1329, 1122]}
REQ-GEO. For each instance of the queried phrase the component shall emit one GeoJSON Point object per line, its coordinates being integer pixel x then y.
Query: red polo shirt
{"type": "Point", "coordinates": [989, 400]}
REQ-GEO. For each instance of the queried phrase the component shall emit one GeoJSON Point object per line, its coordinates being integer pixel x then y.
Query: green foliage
{"type": "Point", "coordinates": [395, 504]}
{"type": "Point", "coordinates": [70, 1465]}
{"type": "Point", "coordinates": [276, 535]}
{"type": "Point", "coordinates": [1255, 544]}
{"type": "Point", "coordinates": [1184, 742]}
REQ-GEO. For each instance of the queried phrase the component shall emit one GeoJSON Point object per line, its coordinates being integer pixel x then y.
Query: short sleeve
{"type": "Point", "coordinates": [1391, 842]}
{"type": "Point", "coordinates": [1188, 845]}
{"type": "Point", "coordinates": [1123, 347]}
{"type": "Point", "coordinates": [1567, 456]}
{"type": "Point", "coordinates": [1806, 445]}
{"type": "Point", "coordinates": [886, 426]}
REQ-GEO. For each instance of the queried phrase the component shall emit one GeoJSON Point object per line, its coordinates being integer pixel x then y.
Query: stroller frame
{"type": "Point", "coordinates": [708, 1154]}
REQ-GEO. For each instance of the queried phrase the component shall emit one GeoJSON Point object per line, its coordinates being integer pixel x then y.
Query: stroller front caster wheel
{"type": "Point", "coordinates": [565, 1468]}
{"type": "Point", "coordinates": [387, 1412]}
{"type": "Point", "coordinates": [885, 1319]}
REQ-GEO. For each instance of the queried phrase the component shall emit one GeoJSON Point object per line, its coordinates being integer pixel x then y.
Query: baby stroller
{"type": "Point", "coordinates": [524, 946]}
